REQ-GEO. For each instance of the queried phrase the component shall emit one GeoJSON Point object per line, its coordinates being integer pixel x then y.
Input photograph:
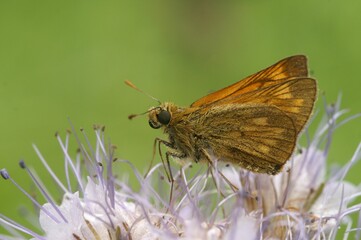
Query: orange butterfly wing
{"type": "Point", "coordinates": [285, 85]}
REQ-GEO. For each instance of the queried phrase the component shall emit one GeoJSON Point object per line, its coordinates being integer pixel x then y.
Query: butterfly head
{"type": "Point", "coordinates": [159, 116]}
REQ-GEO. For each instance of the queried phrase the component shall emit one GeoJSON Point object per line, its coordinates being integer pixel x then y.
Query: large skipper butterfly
{"type": "Point", "coordinates": [253, 123]}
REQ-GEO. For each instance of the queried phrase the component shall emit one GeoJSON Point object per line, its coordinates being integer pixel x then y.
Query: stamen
{"type": "Point", "coordinates": [90, 160]}
{"type": "Point", "coordinates": [19, 227]}
{"type": "Point", "coordinates": [71, 164]}
{"type": "Point", "coordinates": [6, 176]}
{"type": "Point", "coordinates": [41, 189]}
{"type": "Point", "coordinates": [50, 171]}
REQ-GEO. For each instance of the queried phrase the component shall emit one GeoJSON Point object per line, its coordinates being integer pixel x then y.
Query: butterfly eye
{"type": "Point", "coordinates": [164, 117]}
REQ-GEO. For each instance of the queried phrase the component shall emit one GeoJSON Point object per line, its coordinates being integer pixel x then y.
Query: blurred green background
{"type": "Point", "coordinates": [70, 58]}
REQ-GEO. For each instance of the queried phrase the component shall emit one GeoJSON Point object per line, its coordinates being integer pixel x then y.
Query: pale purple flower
{"type": "Point", "coordinates": [304, 201]}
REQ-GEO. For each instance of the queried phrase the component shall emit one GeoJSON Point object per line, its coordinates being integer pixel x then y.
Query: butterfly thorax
{"type": "Point", "coordinates": [177, 123]}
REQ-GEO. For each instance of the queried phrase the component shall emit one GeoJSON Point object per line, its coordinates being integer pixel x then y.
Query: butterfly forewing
{"type": "Point", "coordinates": [295, 66]}
{"type": "Point", "coordinates": [284, 85]}
{"type": "Point", "coordinates": [294, 97]}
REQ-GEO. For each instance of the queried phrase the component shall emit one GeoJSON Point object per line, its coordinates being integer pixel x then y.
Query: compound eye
{"type": "Point", "coordinates": [164, 117]}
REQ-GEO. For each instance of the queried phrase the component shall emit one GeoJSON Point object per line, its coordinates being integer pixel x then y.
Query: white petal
{"type": "Point", "coordinates": [330, 201]}
{"type": "Point", "coordinates": [244, 227]}
{"type": "Point", "coordinates": [73, 213]}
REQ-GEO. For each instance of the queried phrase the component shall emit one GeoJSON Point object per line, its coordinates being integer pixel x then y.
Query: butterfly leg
{"type": "Point", "coordinates": [175, 155]}
{"type": "Point", "coordinates": [153, 156]}
{"type": "Point", "coordinates": [158, 142]}
{"type": "Point", "coordinates": [167, 168]}
{"type": "Point", "coordinates": [166, 163]}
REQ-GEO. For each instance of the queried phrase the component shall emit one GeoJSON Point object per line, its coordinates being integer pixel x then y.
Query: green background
{"type": "Point", "coordinates": [70, 58]}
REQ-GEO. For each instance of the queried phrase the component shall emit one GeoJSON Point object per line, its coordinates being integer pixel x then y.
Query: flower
{"type": "Point", "coordinates": [218, 202]}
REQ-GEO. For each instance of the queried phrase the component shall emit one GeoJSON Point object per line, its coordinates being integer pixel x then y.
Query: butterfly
{"type": "Point", "coordinates": [253, 123]}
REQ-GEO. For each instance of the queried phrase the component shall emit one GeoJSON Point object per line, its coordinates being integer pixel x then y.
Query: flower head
{"type": "Point", "coordinates": [217, 202]}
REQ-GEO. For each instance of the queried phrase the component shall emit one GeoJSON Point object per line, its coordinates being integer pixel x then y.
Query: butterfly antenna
{"type": "Point", "coordinates": [131, 116]}
{"type": "Point", "coordinates": [130, 84]}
